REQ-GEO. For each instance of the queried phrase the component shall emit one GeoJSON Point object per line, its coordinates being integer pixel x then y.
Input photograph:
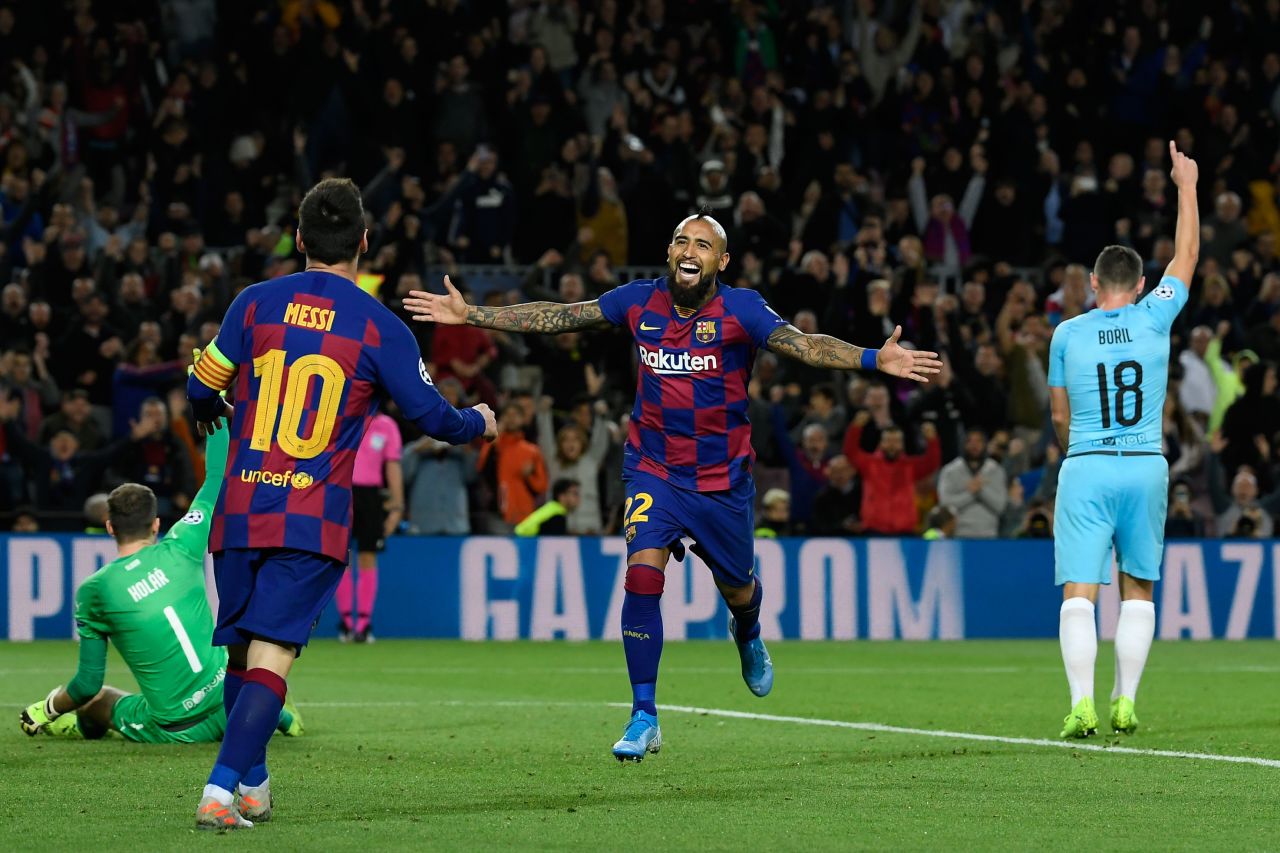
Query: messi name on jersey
{"type": "Point", "coordinates": [309, 316]}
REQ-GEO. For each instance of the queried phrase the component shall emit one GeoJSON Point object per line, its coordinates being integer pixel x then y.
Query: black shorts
{"type": "Point", "coordinates": [368, 518]}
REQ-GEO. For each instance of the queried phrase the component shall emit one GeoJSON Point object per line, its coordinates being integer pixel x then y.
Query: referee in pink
{"type": "Point", "coordinates": [374, 517]}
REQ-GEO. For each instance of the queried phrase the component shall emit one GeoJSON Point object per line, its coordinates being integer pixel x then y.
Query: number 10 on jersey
{"type": "Point", "coordinates": [292, 397]}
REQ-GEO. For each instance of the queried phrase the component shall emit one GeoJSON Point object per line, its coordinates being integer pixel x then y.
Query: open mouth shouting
{"type": "Point", "coordinates": [688, 273]}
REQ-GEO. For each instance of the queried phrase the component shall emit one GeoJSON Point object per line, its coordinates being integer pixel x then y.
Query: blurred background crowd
{"type": "Point", "coordinates": [952, 166]}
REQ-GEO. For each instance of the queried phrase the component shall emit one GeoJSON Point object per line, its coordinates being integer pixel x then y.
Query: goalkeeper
{"type": "Point", "coordinates": [150, 601]}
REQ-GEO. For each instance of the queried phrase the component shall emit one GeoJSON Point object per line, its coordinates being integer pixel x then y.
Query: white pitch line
{"type": "Point", "coordinates": [942, 733]}
{"type": "Point", "coordinates": [833, 724]}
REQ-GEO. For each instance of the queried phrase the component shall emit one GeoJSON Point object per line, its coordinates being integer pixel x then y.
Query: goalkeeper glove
{"type": "Point", "coordinates": [37, 715]}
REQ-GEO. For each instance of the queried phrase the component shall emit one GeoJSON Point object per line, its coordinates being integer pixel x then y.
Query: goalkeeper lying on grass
{"type": "Point", "coordinates": [150, 601]}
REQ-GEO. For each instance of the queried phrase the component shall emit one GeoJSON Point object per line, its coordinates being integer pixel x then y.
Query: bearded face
{"type": "Point", "coordinates": [694, 258]}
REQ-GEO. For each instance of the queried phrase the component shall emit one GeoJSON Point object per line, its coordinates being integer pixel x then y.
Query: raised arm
{"type": "Point", "coordinates": [1186, 239]}
{"type": "Point", "coordinates": [545, 318]}
{"type": "Point", "coordinates": [829, 352]}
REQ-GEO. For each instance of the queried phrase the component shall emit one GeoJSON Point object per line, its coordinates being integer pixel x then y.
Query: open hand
{"type": "Point", "coordinates": [908, 364]}
{"type": "Point", "coordinates": [449, 309]}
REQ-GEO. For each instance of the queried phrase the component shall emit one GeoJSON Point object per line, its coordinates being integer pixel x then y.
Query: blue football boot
{"type": "Point", "coordinates": [757, 668]}
{"type": "Point", "coordinates": [642, 735]}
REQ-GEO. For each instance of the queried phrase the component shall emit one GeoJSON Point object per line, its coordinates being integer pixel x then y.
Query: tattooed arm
{"type": "Point", "coordinates": [546, 318]}
{"type": "Point", "coordinates": [815, 350]}
{"type": "Point", "coordinates": [826, 351]}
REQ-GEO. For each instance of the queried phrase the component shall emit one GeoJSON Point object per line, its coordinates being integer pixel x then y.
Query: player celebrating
{"type": "Point", "coordinates": [1108, 371]}
{"type": "Point", "coordinates": [687, 462]}
{"type": "Point", "coordinates": [314, 349]}
{"type": "Point", "coordinates": [150, 601]}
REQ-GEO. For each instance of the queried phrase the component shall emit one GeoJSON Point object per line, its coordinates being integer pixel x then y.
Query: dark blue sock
{"type": "Point", "coordinates": [642, 634]}
{"type": "Point", "coordinates": [231, 685]}
{"type": "Point", "coordinates": [746, 617]}
{"type": "Point", "coordinates": [250, 725]}
{"type": "Point", "coordinates": [257, 774]}
{"type": "Point", "coordinates": [230, 692]}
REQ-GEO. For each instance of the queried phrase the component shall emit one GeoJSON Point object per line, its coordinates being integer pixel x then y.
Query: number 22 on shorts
{"type": "Point", "coordinates": [643, 501]}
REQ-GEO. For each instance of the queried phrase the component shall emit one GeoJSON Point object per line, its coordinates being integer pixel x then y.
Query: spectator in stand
{"type": "Point", "coordinates": [438, 478]}
{"type": "Point", "coordinates": [1240, 513]}
{"type": "Point", "coordinates": [1229, 383]}
{"type": "Point", "coordinates": [552, 518]}
{"type": "Point", "coordinates": [943, 227]}
{"type": "Point", "coordinates": [836, 506]}
{"type": "Point", "coordinates": [940, 524]}
{"type": "Point", "coordinates": [824, 410]}
{"type": "Point", "coordinates": [974, 486]}
{"type": "Point", "coordinates": [571, 456]}
{"type": "Point", "coordinates": [155, 458]}
{"type": "Point", "coordinates": [1224, 232]}
{"type": "Point", "coordinates": [806, 463]}
{"type": "Point", "coordinates": [1254, 416]}
{"type": "Point", "coordinates": [463, 353]}
{"type": "Point", "coordinates": [60, 476]}
{"type": "Point", "coordinates": [515, 467]}
{"type": "Point", "coordinates": [1198, 392]}
{"type": "Point", "coordinates": [775, 515]}
{"type": "Point", "coordinates": [76, 417]}
{"type": "Point", "coordinates": [1184, 521]}
{"type": "Point", "coordinates": [485, 218]}
{"type": "Point", "coordinates": [24, 376]}
{"type": "Point", "coordinates": [889, 477]}
{"type": "Point", "coordinates": [139, 377]}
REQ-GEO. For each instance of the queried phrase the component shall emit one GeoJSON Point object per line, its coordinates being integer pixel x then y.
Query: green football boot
{"type": "Point", "coordinates": [1123, 719]}
{"type": "Point", "coordinates": [65, 726]}
{"type": "Point", "coordinates": [290, 724]}
{"type": "Point", "coordinates": [1082, 721]}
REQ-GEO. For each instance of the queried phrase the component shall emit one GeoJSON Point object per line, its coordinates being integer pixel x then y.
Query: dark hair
{"type": "Point", "coordinates": [1117, 268]}
{"type": "Point", "coordinates": [824, 389]}
{"type": "Point", "coordinates": [131, 509]}
{"type": "Point", "coordinates": [939, 516]}
{"type": "Point", "coordinates": [331, 221]}
{"type": "Point", "coordinates": [559, 487]}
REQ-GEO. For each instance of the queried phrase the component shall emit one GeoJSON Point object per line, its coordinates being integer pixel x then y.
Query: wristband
{"type": "Point", "coordinates": [869, 359]}
{"type": "Point", "coordinates": [49, 710]}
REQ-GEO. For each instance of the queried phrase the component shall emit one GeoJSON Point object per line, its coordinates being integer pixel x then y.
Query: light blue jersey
{"type": "Point", "coordinates": [1115, 367]}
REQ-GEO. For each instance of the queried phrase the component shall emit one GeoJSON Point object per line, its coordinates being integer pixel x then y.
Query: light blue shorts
{"type": "Point", "coordinates": [1105, 501]}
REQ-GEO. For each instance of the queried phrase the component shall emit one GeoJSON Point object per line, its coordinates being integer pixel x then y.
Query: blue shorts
{"type": "Point", "coordinates": [273, 593]}
{"type": "Point", "coordinates": [1110, 501]}
{"type": "Point", "coordinates": [722, 524]}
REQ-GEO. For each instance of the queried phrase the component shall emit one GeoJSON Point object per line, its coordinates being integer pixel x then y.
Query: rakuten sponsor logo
{"type": "Point", "coordinates": [661, 361]}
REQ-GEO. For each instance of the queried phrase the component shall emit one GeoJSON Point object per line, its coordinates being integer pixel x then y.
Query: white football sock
{"type": "Point", "coordinates": [1078, 636]}
{"type": "Point", "coordinates": [222, 795]}
{"type": "Point", "coordinates": [1134, 633]}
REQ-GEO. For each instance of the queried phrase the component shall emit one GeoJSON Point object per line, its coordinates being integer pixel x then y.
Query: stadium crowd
{"type": "Point", "coordinates": [947, 165]}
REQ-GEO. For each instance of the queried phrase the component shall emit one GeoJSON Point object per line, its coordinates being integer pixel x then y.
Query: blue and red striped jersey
{"type": "Point", "coordinates": [310, 350]}
{"type": "Point", "coordinates": [689, 425]}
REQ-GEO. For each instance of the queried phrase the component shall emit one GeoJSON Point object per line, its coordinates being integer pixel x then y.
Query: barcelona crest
{"type": "Point", "coordinates": [705, 331]}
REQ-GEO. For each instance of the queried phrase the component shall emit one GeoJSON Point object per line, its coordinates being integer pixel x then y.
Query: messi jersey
{"type": "Point", "coordinates": [310, 350]}
{"type": "Point", "coordinates": [689, 424]}
{"type": "Point", "coordinates": [1115, 367]}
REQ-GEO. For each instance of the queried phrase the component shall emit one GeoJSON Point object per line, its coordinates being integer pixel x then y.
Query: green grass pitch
{"type": "Point", "coordinates": [455, 746]}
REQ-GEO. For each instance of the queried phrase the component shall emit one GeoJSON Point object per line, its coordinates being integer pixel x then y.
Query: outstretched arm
{"type": "Point", "coordinates": [1186, 238]}
{"type": "Point", "coordinates": [826, 351]}
{"type": "Point", "coordinates": [546, 318]}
